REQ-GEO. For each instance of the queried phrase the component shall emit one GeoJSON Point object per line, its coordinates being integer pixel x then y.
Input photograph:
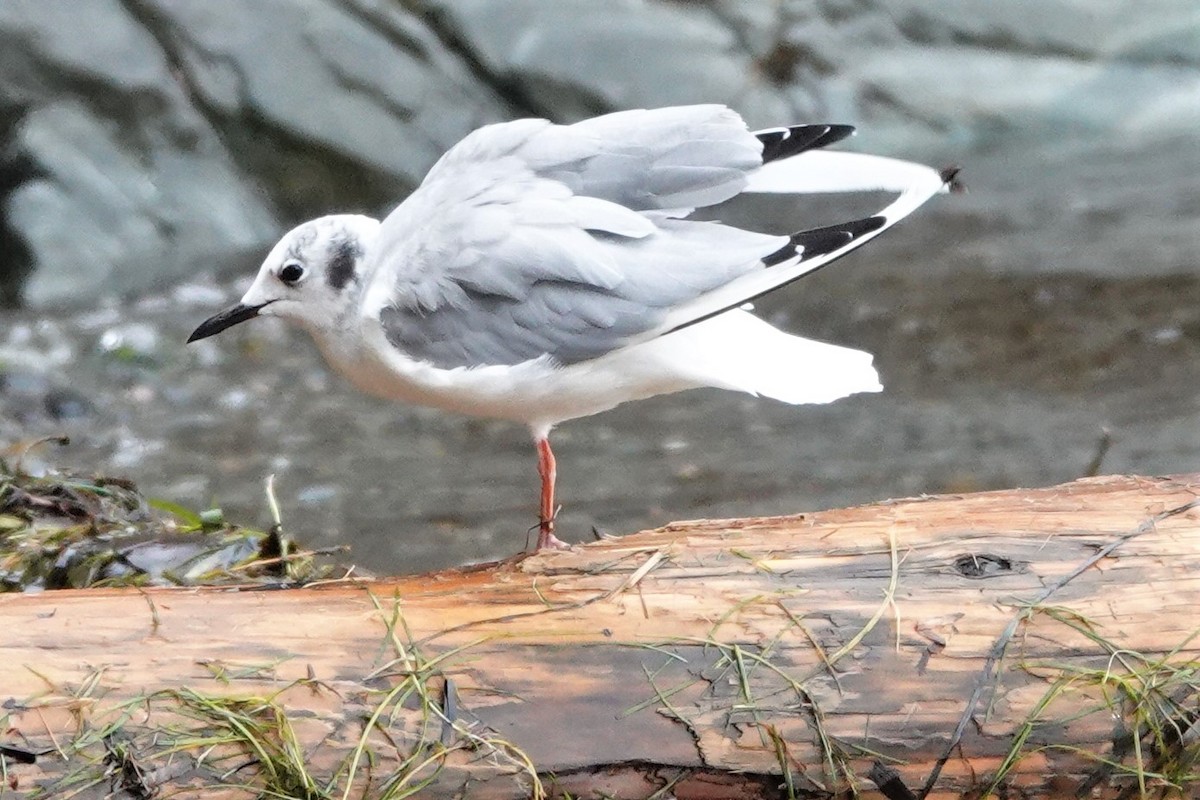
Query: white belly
{"type": "Point", "coordinates": [537, 393]}
{"type": "Point", "coordinates": [734, 350]}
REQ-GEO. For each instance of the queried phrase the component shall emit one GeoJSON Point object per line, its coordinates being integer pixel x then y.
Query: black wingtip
{"type": "Point", "coordinates": [819, 241]}
{"type": "Point", "coordinates": [805, 245]}
{"type": "Point", "coordinates": [949, 176]}
{"type": "Point", "coordinates": [787, 142]}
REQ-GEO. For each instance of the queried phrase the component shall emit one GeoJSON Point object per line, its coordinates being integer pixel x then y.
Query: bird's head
{"type": "Point", "coordinates": [312, 276]}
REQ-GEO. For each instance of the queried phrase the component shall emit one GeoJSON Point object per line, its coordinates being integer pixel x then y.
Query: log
{"type": "Point", "coordinates": [1032, 643]}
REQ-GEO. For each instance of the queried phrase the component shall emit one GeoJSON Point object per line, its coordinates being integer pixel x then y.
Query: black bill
{"type": "Point", "coordinates": [226, 319]}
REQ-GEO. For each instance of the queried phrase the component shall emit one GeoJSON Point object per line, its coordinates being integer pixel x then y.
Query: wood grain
{"type": "Point", "coordinates": [723, 657]}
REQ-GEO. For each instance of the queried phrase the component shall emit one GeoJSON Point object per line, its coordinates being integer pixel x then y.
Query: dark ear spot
{"type": "Point", "coordinates": [341, 263]}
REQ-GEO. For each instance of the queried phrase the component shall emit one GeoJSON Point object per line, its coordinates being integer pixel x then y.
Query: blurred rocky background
{"type": "Point", "coordinates": [152, 150]}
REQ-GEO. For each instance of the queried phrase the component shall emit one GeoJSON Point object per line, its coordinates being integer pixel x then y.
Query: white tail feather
{"type": "Point", "coordinates": [915, 182]}
{"type": "Point", "coordinates": [737, 350]}
{"type": "Point", "coordinates": [820, 171]}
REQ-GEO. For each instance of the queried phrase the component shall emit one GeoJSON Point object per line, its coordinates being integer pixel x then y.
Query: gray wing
{"type": "Point", "coordinates": [530, 239]}
{"type": "Point", "coordinates": [566, 293]}
{"type": "Point", "coordinates": [672, 159]}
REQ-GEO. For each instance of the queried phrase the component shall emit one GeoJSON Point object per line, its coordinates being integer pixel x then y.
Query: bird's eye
{"type": "Point", "coordinates": [291, 273]}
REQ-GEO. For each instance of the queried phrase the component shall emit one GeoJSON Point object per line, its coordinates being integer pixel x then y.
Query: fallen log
{"type": "Point", "coordinates": [1034, 643]}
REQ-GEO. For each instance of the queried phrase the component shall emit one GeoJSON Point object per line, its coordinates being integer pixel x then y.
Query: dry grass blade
{"type": "Point", "coordinates": [1152, 700]}
{"type": "Point", "coordinates": [999, 647]}
{"type": "Point", "coordinates": [261, 729]}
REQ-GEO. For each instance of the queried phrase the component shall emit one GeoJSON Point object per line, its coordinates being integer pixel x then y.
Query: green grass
{"type": "Point", "coordinates": [1150, 702]}
{"type": "Point", "coordinates": [248, 742]}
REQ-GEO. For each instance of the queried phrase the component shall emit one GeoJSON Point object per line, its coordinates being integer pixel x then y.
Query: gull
{"type": "Point", "coordinates": [546, 272]}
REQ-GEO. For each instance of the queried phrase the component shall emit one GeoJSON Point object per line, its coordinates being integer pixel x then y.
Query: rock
{"type": "Point", "coordinates": [146, 142]}
{"type": "Point", "coordinates": [64, 403]}
{"type": "Point", "coordinates": [28, 397]}
{"type": "Point", "coordinates": [137, 217]}
{"type": "Point", "coordinates": [151, 130]}
{"type": "Point", "coordinates": [572, 59]}
{"type": "Point", "coordinates": [333, 105]}
{"type": "Point", "coordinates": [915, 74]}
{"type": "Point", "coordinates": [131, 342]}
{"type": "Point", "coordinates": [133, 187]}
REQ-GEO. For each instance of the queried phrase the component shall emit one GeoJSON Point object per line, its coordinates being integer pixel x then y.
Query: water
{"type": "Point", "coordinates": [1011, 326]}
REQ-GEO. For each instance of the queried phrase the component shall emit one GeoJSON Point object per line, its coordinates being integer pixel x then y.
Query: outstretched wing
{"type": "Point", "coordinates": [548, 273]}
{"type": "Point", "coordinates": [529, 239]}
{"type": "Point", "coordinates": [809, 250]}
{"type": "Point", "coordinates": [667, 159]}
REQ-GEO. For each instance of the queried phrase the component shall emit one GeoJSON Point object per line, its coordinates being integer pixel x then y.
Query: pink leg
{"type": "Point", "coordinates": [547, 472]}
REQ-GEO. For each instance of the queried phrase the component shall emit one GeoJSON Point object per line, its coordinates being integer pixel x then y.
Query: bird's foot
{"type": "Point", "coordinates": [548, 541]}
{"type": "Point", "coordinates": [546, 538]}
{"type": "Point", "coordinates": [545, 528]}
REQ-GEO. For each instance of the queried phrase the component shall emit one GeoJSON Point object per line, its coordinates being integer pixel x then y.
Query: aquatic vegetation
{"type": "Point", "coordinates": [62, 531]}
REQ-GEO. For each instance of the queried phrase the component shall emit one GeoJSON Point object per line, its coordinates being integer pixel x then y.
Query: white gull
{"type": "Point", "coordinates": [545, 272]}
